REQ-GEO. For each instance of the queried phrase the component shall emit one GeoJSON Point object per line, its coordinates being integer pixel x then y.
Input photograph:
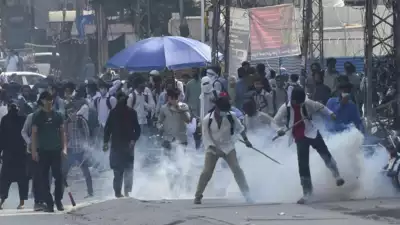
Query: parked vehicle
{"type": "Point", "coordinates": [24, 77]}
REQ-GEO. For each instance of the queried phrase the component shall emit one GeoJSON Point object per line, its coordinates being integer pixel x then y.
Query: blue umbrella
{"type": "Point", "coordinates": [157, 53]}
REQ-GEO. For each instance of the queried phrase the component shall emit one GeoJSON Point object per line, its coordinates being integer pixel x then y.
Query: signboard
{"type": "Point", "coordinates": [272, 32]}
{"type": "Point", "coordinates": [239, 38]}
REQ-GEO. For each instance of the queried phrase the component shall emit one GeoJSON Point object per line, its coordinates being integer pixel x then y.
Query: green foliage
{"type": "Point", "coordinates": [160, 12]}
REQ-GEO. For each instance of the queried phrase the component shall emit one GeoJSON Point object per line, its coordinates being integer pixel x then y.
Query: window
{"type": "Point", "coordinates": [16, 78]}
{"type": "Point", "coordinates": [32, 79]}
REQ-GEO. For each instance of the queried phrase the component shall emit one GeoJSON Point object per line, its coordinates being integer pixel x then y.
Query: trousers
{"type": "Point", "coordinates": [209, 166]}
{"type": "Point", "coordinates": [51, 160]}
{"type": "Point", "coordinates": [83, 165]}
{"type": "Point", "coordinates": [303, 159]}
{"type": "Point", "coordinates": [5, 184]}
{"type": "Point", "coordinates": [124, 176]}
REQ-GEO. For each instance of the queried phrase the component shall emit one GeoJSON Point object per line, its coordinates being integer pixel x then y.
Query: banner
{"type": "Point", "coordinates": [273, 32]}
{"type": "Point", "coordinates": [239, 38]}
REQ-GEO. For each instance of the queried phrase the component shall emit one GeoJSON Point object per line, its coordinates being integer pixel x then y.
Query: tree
{"type": "Point", "coordinates": [160, 12]}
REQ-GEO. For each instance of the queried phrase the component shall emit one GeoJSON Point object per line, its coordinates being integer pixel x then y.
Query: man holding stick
{"type": "Point", "coordinates": [297, 115]}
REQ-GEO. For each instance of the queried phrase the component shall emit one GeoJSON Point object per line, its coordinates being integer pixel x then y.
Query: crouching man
{"type": "Point", "coordinates": [297, 114]}
{"type": "Point", "coordinates": [220, 128]}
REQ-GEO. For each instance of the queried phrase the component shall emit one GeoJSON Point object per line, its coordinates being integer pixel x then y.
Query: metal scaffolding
{"type": "Point", "coordinates": [143, 19]}
{"type": "Point", "coordinates": [220, 31]}
{"type": "Point", "coordinates": [380, 46]}
{"type": "Point", "coordinates": [313, 32]}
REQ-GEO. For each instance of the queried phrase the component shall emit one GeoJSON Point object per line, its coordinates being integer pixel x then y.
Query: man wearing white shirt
{"type": "Point", "coordinates": [12, 62]}
{"type": "Point", "coordinates": [220, 129]}
{"type": "Point", "coordinates": [142, 101]}
{"type": "Point", "coordinates": [104, 104]}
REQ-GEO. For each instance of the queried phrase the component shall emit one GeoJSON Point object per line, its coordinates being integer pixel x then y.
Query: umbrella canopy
{"type": "Point", "coordinates": [157, 53]}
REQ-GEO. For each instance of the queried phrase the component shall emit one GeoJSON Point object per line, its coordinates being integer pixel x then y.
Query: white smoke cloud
{"type": "Point", "coordinates": [269, 182]}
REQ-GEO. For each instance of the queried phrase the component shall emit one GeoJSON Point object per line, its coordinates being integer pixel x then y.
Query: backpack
{"type": "Point", "coordinates": [108, 102]}
{"type": "Point", "coordinates": [146, 98]}
{"type": "Point", "coordinates": [230, 119]}
{"type": "Point", "coordinates": [303, 108]}
{"type": "Point", "coordinates": [93, 120]}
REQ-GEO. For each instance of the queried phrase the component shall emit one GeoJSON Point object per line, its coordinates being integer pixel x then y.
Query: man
{"type": "Point", "coordinates": [345, 109]}
{"type": "Point", "coordinates": [207, 96]}
{"type": "Point", "coordinates": [123, 128]}
{"type": "Point", "coordinates": [78, 135]}
{"type": "Point", "coordinates": [172, 120]}
{"type": "Point", "coordinates": [58, 102]}
{"type": "Point", "coordinates": [141, 100]}
{"type": "Point", "coordinates": [321, 91]}
{"type": "Point", "coordinates": [193, 91]}
{"type": "Point", "coordinates": [297, 115]}
{"type": "Point", "coordinates": [13, 151]}
{"type": "Point", "coordinates": [292, 83]}
{"type": "Point", "coordinates": [104, 104]}
{"type": "Point", "coordinates": [12, 61]}
{"type": "Point", "coordinates": [220, 128]}
{"type": "Point", "coordinates": [310, 83]}
{"type": "Point", "coordinates": [254, 119]}
{"type": "Point", "coordinates": [261, 97]}
{"type": "Point", "coordinates": [355, 80]}
{"type": "Point", "coordinates": [49, 147]}
{"type": "Point", "coordinates": [331, 74]}
{"type": "Point", "coordinates": [24, 104]}
{"type": "Point", "coordinates": [278, 96]}
{"type": "Point", "coordinates": [34, 170]}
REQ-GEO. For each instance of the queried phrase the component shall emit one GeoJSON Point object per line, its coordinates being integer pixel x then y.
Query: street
{"type": "Point", "coordinates": [218, 212]}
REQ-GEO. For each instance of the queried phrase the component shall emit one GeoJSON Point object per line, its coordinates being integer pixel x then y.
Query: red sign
{"type": "Point", "coordinates": [272, 32]}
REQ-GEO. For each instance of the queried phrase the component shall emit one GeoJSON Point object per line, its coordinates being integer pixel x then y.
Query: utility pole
{"type": "Point", "coordinates": [379, 41]}
{"type": "Point", "coordinates": [396, 38]}
{"type": "Point", "coordinates": [220, 8]}
{"type": "Point", "coordinates": [313, 32]}
{"type": "Point", "coordinates": [102, 40]}
{"type": "Point", "coordinates": [182, 12]}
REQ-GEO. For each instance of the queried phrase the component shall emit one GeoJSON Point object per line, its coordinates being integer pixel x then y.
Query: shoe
{"type": "Point", "coordinates": [59, 206]}
{"type": "Point", "coordinates": [89, 196]}
{"type": "Point", "coordinates": [339, 181]}
{"type": "Point", "coordinates": [249, 200]}
{"type": "Point", "coordinates": [119, 196]}
{"type": "Point", "coordinates": [303, 200]}
{"type": "Point", "coordinates": [127, 194]}
{"type": "Point", "coordinates": [38, 207]}
{"type": "Point", "coordinates": [49, 209]}
{"type": "Point", "coordinates": [19, 207]}
{"type": "Point", "coordinates": [197, 201]}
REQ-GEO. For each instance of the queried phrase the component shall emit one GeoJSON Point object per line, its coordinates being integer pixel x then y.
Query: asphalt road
{"type": "Point", "coordinates": [217, 212]}
{"type": "Point", "coordinates": [100, 211]}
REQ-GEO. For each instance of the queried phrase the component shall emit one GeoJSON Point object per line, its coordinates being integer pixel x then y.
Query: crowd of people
{"type": "Point", "coordinates": [49, 127]}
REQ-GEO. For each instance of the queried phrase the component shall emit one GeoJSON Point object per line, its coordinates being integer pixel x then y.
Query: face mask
{"type": "Point", "coordinates": [345, 95]}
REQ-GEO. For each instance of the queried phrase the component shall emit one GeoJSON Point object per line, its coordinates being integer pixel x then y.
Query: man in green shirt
{"type": "Point", "coordinates": [48, 149]}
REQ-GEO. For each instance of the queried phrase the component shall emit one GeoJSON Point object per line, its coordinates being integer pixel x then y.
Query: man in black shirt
{"type": "Point", "coordinates": [123, 128]}
{"type": "Point", "coordinates": [48, 148]}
